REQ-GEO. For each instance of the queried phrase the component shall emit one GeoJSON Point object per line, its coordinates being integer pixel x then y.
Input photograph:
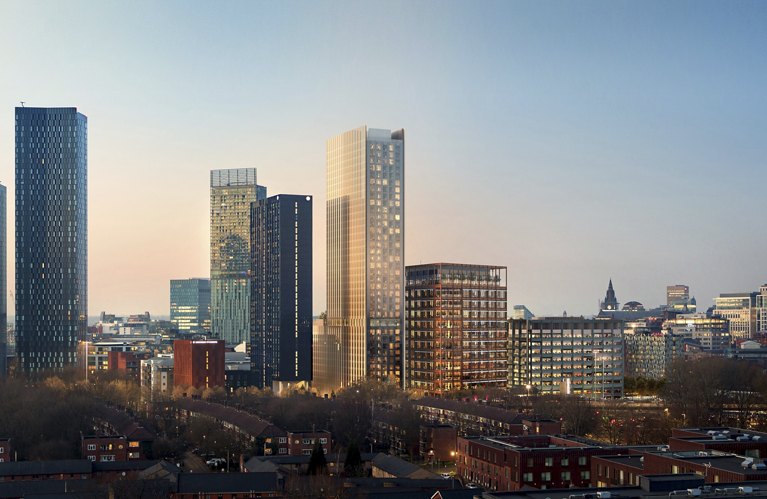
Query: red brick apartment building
{"type": "Point", "coordinates": [119, 448]}
{"type": "Point", "coordinates": [198, 363]}
{"type": "Point", "coordinates": [510, 463]}
{"type": "Point", "coordinates": [5, 450]}
{"type": "Point", "coordinates": [301, 443]}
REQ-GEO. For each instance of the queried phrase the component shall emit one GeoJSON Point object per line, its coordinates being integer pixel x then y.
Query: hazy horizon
{"type": "Point", "coordinates": [571, 142]}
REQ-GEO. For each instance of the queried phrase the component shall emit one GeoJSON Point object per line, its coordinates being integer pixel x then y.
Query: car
{"type": "Point", "coordinates": [446, 476]}
{"type": "Point", "coordinates": [472, 486]}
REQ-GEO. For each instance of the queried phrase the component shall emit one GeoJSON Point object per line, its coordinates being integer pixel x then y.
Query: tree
{"type": "Point", "coordinates": [318, 465]}
{"type": "Point", "coordinates": [353, 461]}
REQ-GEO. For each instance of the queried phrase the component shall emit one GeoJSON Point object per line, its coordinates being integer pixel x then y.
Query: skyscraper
{"type": "Point", "coordinates": [3, 284]}
{"type": "Point", "coordinates": [190, 304]}
{"type": "Point", "coordinates": [365, 252]}
{"type": "Point", "coordinates": [231, 192]}
{"type": "Point", "coordinates": [51, 236]}
{"type": "Point", "coordinates": [281, 298]}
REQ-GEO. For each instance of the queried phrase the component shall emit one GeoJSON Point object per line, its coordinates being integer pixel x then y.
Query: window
{"type": "Point", "coordinates": [585, 475]}
{"type": "Point", "coordinates": [565, 461]}
{"type": "Point", "coordinates": [548, 462]}
{"type": "Point", "coordinates": [283, 440]}
{"type": "Point", "coordinates": [307, 441]}
{"type": "Point", "coordinates": [2, 450]}
{"type": "Point", "coordinates": [529, 462]}
{"type": "Point", "coordinates": [133, 444]}
{"type": "Point", "coordinates": [306, 452]}
{"type": "Point", "coordinates": [106, 458]}
{"type": "Point", "coordinates": [90, 447]}
{"type": "Point", "coordinates": [323, 440]}
{"type": "Point", "coordinates": [283, 450]}
{"type": "Point", "coordinates": [565, 476]}
{"type": "Point", "coordinates": [527, 477]}
{"type": "Point", "coordinates": [91, 458]}
{"type": "Point", "coordinates": [546, 476]}
{"type": "Point", "coordinates": [582, 461]}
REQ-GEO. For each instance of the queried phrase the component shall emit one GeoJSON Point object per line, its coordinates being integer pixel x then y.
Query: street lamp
{"type": "Point", "coordinates": [528, 387]}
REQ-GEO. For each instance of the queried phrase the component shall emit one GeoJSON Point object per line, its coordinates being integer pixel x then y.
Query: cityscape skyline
{"type": "Point", "coordinates": [648, 124]}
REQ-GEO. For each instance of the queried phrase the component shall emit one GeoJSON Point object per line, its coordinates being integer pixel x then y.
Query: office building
{"type": "Point", "coordinates": [198, 363]}
{"type": "Point", "coordinates": [456, 334]}
{"type": "Point", "coordinates": [649, 354]}
{"type": "Point", "coordinates": [190, 305]}
{"type": "Point", "coordinates": [326, 358]}
{"type": "Point", "coordinates": [761, 311]}
{"type": "Point", "coordinates": [711, 333]}
{"type": "Point", "coordinates": [365, 252]}
{"type": "Point", "coordinates": [281, 299]}
{"type": "Point", "coordinates": [157, 373]}
{"type": "Point", "coordinates": [3, 284]}
{"type": "Point", "coordinates": [567, 355]}
{"type": "Point", "coordinates": [740, 310]}
{"type": "Point", "coordinates": [521, 312]}
{"type": "Point", "coordinates": [231, 192]}
{"type": "Point", "coordinates": [51, 237]}
{"type": "Point", "coordinates": [678, 299]}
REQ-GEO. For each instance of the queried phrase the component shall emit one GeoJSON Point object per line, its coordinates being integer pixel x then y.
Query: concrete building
{"type": "Point", "coordinates": [761, 311]}
{"type": "Point", "coordinates": [157, 373]}
{"type": "Point", "coordinates": [521, 312]}
{"type": "Point", "coordinates": [650, 354]}
{"type": "Point", "coordinates": [456, 334]}
{"type": "Point", "coordinates": [231, 193]}
{"type": "Point", "coordinates": [51, 237]}
{"type": "Point", "coordinates": [678, 299]}
{"type": "Point", "coordinates": [568, 355]}
{"type": "Point", "coordinates": [740, 311]}
{"type": "Point", "coordinates": [198, 363]}
{"type": "Point", "coordinates": [190, 305]}
{"type": "Point", "coordinates": [365, 253]}
{"type": "Point", "coordinates": [712, 333]}
{"type": "Point", "coordinates": [281, 297]}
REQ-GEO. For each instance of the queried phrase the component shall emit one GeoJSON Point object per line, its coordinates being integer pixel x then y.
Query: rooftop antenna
{"type": "Point", "coordinates": [22, 103]}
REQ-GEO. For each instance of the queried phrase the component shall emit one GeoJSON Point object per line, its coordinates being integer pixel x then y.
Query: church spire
{"type": "Point", "coordinates": [611, 302]}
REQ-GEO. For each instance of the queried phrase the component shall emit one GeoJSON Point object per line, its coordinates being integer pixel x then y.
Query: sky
{"type": "Point", "coordinates": [573, 142]}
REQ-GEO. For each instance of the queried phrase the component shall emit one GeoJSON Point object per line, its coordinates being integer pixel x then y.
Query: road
{"type": "Point", "coordinates": [194, 463]}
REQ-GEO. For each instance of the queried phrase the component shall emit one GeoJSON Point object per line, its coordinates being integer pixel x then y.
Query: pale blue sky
{"type": "Point", "coordinates": [570, 141]}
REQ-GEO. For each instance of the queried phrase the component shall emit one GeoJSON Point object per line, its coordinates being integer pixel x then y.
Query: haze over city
{"type": "Point", "coordinates": [571, 142]}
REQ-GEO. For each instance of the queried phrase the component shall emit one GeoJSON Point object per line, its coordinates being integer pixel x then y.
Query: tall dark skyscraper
{"type": "Point", "coordinates": [3, 284]}
{"type": "Point", "coordinates": [51, 236]}
{"type": "Point", "coordinates": [281, 297]}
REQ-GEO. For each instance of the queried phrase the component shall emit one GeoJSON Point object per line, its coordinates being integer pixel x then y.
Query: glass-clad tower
{"type": "Point", "coordinates": [281, 313]}
{"type": "Point", "coordinates": [365, 253]}
{"type": "Point", "coordinates": [3, 284]}
{"type": "Point", "coordinates": [190, 304]}
{"type": "Point", "coordinates": [231, 192]}
{"type": "Point", "coordinates": [51, 236]}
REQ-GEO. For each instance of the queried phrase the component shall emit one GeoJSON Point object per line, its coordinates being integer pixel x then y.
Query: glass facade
{"type": "Point", "coordinates": [740, 310]}
{"type": "Point", "coordinates": [231, 192]}
{"type": "Point", "coordinates": [281, 313]}
{"type": "Point", "coordinates": [456, 327]}
{"type": "Point", "coordinates": [190, 305]}
{"type": "Point", "coordinates": [567, 355]}
{"type": "Point", "coordinates": [3, 284]}
{"type": "Point", "coordinates": [51, 237]}
{"type": "Point", "coordinates": [365, 252]}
